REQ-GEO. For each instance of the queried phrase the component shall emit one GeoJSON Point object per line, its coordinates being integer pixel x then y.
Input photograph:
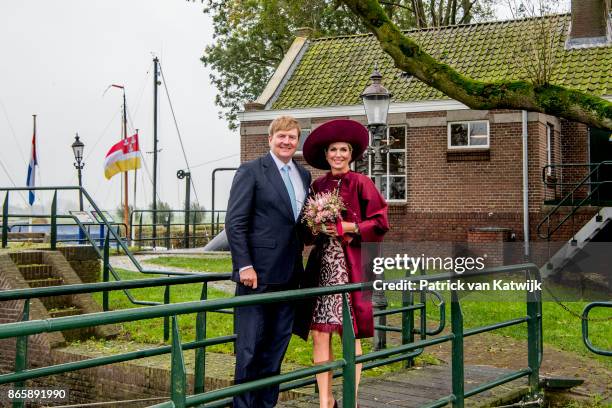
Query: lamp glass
{"type": "Point", "coordinates": [377, 108]}
{"type": "Point", "coordinates": [77, 148]}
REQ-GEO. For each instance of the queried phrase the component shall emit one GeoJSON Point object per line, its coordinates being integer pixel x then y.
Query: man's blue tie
{"type": "Point", "coordinates": [290, 190]}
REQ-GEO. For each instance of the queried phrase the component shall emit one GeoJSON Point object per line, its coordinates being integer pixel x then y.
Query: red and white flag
{"type": "Point", "coordinates": [123, 156]}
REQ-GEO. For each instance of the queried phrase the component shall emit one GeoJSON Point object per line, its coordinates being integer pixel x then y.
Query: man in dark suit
{"type": "Point", "coordinates": [265, 201]}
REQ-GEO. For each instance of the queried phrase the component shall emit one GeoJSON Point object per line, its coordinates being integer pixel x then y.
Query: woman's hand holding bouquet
{"type": "Point", "coordinates": [323, 213]}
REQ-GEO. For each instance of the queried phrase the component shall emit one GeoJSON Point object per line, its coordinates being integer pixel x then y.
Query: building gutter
{"type": "Point", "coordinates": [350, 110]}
{"type": "Point", "coordinates": [525, 186]}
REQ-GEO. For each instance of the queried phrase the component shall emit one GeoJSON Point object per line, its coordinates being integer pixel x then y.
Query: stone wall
{"type": "Point", "coordinates": [85, 262]}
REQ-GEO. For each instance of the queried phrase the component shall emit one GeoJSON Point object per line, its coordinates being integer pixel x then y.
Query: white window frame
{"type": "Point", "coordinates": [387, 175]}
{"type": "Point", "coordinates": [300, 153]}
{"type": "Point", "coordinates": [549, 137]}
{"type": "Point", "coordinates": [468, 146]}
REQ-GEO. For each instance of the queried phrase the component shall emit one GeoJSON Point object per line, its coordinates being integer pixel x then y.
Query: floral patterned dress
{"type": "Point", "coordinates": [327, 313]}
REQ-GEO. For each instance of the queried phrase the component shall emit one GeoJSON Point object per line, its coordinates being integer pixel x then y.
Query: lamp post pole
{"type": "Point", "coordinates": [376, 100]}
{"type": "Point", "coordinates": [77, 149]}
{"type": "Point", "coordinates": [182, 174]}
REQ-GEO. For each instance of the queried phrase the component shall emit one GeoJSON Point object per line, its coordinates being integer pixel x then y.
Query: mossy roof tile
{"type": "Point", "coordinates": [334, 70]}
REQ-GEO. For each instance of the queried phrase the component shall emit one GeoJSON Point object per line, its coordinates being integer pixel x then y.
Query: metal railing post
{"type": "Point", "coordinates": [423, 299]}
{"type": "Point", "coordinates": [140, 231]}
{"type": "Point", "coordinates": [21, 352]}
{"type": "Point", "coordinates": [200, 353]}
{"type": "Point", "coordinates": [457, 352]}
{"type": "Point", "coordinates": [105, 270]}
{"type": "Point", "coordinates": [54, 221]}
{"type": "Point", "coordinates": [533, 338]}
{"type": "Point", "coordinates": [194, 230]}
{"type": "Point", "coordinates": [349, 385]}
{"type": "Point", "coordinates": [408, 321]}
{"type": "Point", "coordinates": [178, 378]}
{"type": "Point", "coordinates": [167, 319]}
{"type": "Point", "coordinates": [5, 220]}
{"type": "Point", "coordinates": [168, 232]}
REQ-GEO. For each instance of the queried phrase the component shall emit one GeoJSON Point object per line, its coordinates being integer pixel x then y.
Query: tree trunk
{"type": "Point", "coordinates": [409, 57]}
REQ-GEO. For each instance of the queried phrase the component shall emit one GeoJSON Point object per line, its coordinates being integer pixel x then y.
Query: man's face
{"type": "Point", "coordinates": [283, 143]}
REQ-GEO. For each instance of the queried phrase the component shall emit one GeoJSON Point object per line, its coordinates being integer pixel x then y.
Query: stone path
{"type": "Point", "coordinates": [124, 262]}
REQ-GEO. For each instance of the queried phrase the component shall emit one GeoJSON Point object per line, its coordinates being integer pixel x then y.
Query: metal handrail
{"type": "Point", "coordinates": [567, 165]}
{"type": "Point", "coordinates": [585, 328]}
{"type": "Point", "coordinates": [188, 222]}
{"type": "Point", "coordinates": [570, 197]}
{"type": "Point", "coordinates": [347, 363]}
{"type": "Point", "coordinates": [102, 255]}
{"type": "Point", "coordinates": [79, 240]}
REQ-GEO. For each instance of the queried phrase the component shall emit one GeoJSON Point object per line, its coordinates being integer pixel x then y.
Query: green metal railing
{"type": "Point", "coordinates": [198, 227]}
{"type": "Point", "coordinates": [293, 379]}
{"type": "Point", "coordinates": [585, 328]}
{"type": "Point", "coordinates": [22, 374]}
{"type": "Point", "coordinates": [569, 199]}
{"type": "Point", "coordinates": [112, 234]}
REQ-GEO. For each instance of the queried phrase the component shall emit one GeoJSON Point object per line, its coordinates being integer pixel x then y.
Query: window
{"type": "Point", "coordinates": [303, 136]}
{"type": "Point", "coordinates": [394, 165]}
{"type": "Point", "coordinates": [473, 135]}
{"type": "Point", "coordinates": [549, 148]}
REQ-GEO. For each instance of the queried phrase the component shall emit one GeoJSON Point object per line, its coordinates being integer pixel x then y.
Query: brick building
{"type": "Point", "coordinates": [451, 170]}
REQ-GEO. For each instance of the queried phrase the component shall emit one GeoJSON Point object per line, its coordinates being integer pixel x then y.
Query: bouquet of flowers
{"type": "Point", "coordinates": [322, 208]}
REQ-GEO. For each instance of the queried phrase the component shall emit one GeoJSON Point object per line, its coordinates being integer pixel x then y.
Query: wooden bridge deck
{"type": "Point", "coordinates": [423, 385]}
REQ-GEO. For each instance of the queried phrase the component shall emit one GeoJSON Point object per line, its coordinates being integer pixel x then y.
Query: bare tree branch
{"type": "Point", "coordinates": [389, 3]}
{"type": "Point", "coordinates": [409, 57]}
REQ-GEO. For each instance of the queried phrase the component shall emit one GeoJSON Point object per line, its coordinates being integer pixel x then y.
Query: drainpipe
{"type": "Point", "coordinates": [525, 187]}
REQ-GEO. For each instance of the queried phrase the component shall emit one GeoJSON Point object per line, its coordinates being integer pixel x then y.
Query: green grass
{"type": "Point", "coordinates": [151, 331]}
{"type": "Point", "coordinates": [561, 329]}
{"type": "Point", "coordinates": [220, 264]}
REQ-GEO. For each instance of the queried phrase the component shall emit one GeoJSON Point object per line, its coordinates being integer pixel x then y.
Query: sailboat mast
{"type": "Point", "coordinates": [155, 84]}
{"type": "Point", "coordinates": [126, 207]}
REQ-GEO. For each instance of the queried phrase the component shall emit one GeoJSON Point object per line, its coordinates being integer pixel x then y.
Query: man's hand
{"type": "Point", "coordinates": [248, 277]}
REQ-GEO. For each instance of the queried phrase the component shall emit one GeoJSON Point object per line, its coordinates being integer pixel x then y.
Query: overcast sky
{"type": "Point", "coordinates": [58, 58]}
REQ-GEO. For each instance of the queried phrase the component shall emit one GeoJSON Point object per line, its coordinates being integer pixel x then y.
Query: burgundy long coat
{"type": "Point", "coordinates": [366, 207]}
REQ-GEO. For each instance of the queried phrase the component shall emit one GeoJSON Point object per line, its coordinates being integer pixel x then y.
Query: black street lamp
{"type": "Point", "coordinates": [376, 99]}
{"type": "Point", "coordinates": [77, 149]}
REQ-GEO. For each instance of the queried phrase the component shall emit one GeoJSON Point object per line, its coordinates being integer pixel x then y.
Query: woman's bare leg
{"type": "Point", "coordinates": [322, 353]}
{"type": "Point", "coordinates": [358, 352]}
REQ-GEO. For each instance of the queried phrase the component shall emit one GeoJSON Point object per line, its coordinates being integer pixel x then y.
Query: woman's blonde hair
{"type": "Point", "coordinates": [350, 146]}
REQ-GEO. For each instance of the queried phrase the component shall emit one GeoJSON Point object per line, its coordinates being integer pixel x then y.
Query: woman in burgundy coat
{"type": "Point", "coordinates": [337, 256]}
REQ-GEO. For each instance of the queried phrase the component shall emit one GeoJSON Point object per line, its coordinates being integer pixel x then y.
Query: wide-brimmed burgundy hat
{"type": "Point", "coordinates": [339, 130]}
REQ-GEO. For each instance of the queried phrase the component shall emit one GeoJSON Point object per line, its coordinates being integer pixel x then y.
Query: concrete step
{"type": "Point", "coordinates": [34, 271]}
{"type": "Point", "coordinates": [73, 334]}
{"type": "Point", "coordinates": [69, 310]}
{"type": "Point", "coordinates": [43, 283]}
{"type": "Point", "coordinates": [56, 302]}
{"type": "Point", "coordinates": [27, 257]}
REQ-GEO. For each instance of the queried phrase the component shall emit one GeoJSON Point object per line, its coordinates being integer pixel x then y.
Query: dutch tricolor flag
{"type": "Point", "coordinates": [31, 182]}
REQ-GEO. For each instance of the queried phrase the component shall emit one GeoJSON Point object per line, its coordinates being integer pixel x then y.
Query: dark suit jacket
{"type": "Point", "coordinates": [260, 226]}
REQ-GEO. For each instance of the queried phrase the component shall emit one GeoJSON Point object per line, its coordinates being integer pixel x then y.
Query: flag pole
{"type": "Point", "coordinates": [33, 170]}
{"type": "Point", "coordinates": [135, 180]}
{"type": "Point", "coordinates": [126, 207]}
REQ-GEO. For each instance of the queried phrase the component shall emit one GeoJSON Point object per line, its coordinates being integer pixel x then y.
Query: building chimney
{"type": "Point", "coordinates": [590, 24]}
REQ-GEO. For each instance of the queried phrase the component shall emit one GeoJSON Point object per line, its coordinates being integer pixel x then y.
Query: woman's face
{"type": "Point", "coordinates": [338, 155]}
